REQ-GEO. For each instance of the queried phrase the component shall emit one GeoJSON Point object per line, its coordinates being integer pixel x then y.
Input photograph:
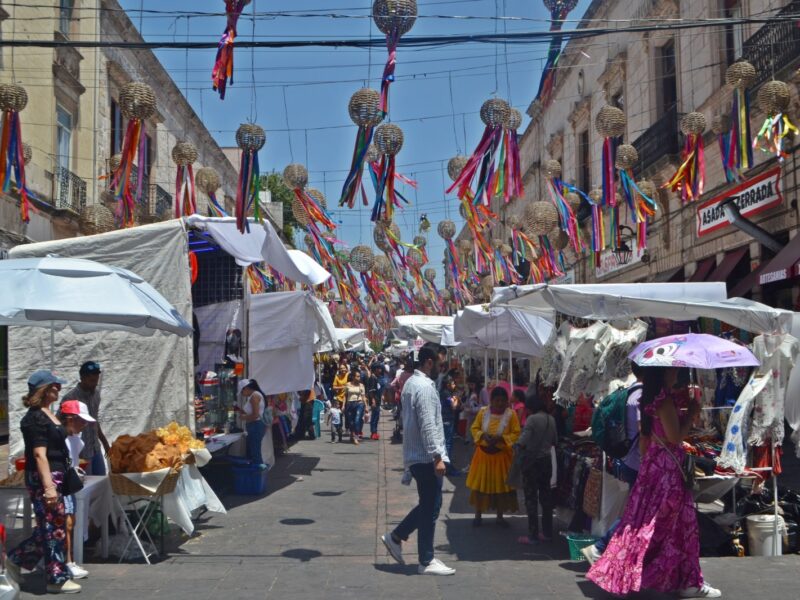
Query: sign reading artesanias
{"type": "Point", "coordinates": [752, 197]}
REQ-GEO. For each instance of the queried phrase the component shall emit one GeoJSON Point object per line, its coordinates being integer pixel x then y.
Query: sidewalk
{"type": "Point", "coordinates": [316, 536]}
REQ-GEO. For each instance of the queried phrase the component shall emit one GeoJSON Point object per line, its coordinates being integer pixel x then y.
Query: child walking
{"type": "Point", "coordinates": [334, 419]}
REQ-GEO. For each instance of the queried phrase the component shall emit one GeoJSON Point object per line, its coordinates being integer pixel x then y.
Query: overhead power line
{"type": "Point", "coordinates": [523, 37]}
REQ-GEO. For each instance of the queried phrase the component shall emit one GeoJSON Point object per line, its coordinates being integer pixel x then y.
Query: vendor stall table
{"type": "Point", "coordinates": [223, 443]}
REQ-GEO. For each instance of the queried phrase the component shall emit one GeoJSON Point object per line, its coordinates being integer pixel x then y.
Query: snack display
{"type": "Point", "coordinates": [158, 449]}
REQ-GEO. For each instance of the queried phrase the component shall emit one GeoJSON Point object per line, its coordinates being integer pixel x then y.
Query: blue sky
{"type": "Point", "coordinates": [315, 85]}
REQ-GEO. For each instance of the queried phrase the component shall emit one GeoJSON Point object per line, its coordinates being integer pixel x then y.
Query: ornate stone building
{"type": "Point", "coordinates": [656, 77]}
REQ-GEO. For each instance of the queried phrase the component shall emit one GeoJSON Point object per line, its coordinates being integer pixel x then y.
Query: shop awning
{"type": "Point", "coordinates": [703, 269]}
{"type": "Point", "coordinates": [784, 265]}
{"type": "Point", "coordinates": [669, 276]}
{"type": "Point", "coordinates": [728, 264]}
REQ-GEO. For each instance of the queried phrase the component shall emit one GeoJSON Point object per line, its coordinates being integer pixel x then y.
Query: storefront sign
{"type": "Point", "coordinates": [567, 278]}
{"type": "Point", "coordinates": [609, 264]}
{"type": "Point", "coordinates": [752, 197]}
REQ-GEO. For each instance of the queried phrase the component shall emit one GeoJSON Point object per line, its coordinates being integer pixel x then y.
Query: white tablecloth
{"type": "Point", "coordinates": [191, 493]}
{"type": "Point", "coordinates": [218, 442]}
{"type": "Point", "coordinates": [95, 502]}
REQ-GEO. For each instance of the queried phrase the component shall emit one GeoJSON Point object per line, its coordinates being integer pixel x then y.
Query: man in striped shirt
{"type": "Point", "coordinates": [424, 455]}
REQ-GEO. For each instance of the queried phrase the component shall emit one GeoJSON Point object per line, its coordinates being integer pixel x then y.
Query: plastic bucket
{"type": "Point", "coordinates": [577, 543]}
{"type": "Point", "coordinates": [761, 535]}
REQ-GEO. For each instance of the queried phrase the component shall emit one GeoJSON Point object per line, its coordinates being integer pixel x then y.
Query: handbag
{"type": "Point", "coordinates": [686, 468]}
{"type": "Point", "coordinates": [73, 483]}
{"type": "Point", "coordinates": [521, 461]}
{"type": "Point", "coordinates": [592, 493]}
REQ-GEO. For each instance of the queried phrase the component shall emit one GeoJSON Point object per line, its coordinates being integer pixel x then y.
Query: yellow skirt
{"type": "Point", "coordinates": [488, 472]}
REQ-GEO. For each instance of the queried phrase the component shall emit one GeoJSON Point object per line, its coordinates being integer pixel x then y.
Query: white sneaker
{"type": "Point", "coordinates": [68, 587]}
{"type": "Point", "coordinates": [436, 567]}
{"type": "Point", "coordinates": [706, 591]}
{"type": "Point", "coordinates": [77, 571]}
{"type": "Point", "coordinates": [591, 553]}
{"type": "Point", "coordinates": [393, 547]}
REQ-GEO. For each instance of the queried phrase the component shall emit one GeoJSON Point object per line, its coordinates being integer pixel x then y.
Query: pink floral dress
{"type": "Point", "coordinates": [657, 544]}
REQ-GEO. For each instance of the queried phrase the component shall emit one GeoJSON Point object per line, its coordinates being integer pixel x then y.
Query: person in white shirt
{"type": "Point", "coordinates": [74, 415]}
{"type": "Point", "coordinates": [425, 456]}
{"type": "Point", "coordinates": [334, 419]}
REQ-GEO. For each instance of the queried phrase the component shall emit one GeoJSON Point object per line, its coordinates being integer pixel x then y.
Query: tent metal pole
{"type": "Point", "coordinates": [52, 346]}
{"type": "Point", "coordinates": [510, 363]}
{"type": "Point", "coordinates": [485, 368]}
{"type": "Point", "coordinates": [776, 540]}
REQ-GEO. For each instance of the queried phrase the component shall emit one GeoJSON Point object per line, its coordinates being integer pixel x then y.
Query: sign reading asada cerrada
{"type": "Point", "coordinates": [752, 197]}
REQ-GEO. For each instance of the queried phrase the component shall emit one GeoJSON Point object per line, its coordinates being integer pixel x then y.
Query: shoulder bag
{"type": "Point", "coordinates": [686, 467]}
{"type": "Point", "coordinates": [72, 483]}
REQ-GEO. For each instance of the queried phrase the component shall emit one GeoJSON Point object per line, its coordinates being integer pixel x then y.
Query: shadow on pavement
{"type": "Point", "coordinates": [398, 569]}
{"type": "Point", "coordinates": [302, 554]}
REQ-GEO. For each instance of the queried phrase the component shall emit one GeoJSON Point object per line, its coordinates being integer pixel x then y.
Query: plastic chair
{"type": "Point", "coordinates": [316, 417]}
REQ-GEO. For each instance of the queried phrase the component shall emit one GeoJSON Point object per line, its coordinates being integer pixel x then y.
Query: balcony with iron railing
{"type": "Point", "coordinates": [69, 190]}
{"type": "Point", "coordinates": [160, 202]}
{"type": "Point", "coordinates": [776, 46]}
{"type": "Point", "coordinates": [660, 140]}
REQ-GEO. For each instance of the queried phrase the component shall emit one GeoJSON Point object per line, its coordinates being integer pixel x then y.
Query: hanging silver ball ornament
{"type": "Point", "coordinates": [27, 153]}
{"type": "Point", "coordinates": [372, 154]}
{"type": "Point", "coordinates": [318, 197]}
{"type": "Point", "coordinates": [13, 97]}
{"type": "Point", "coordinates": [552, 168]}
{"type": "Point", "coordinates": [419, 241]}
{"type": "Point", "coordinates": [394, 15]}
{"type": "Point", "coordinates": [364, 107]}
{"type": "Point", "coordinates": [494, 112]}
{"type": "Point", "coordinates": [693, 123]}
{"type": "Point", "coordinates": [361, 258]}
{"type": "Point", "coordinates": [627, 157]}
{"type": "Point", "coordinates": [610, 122]}
{"type": "Point", "coordinates": [721, 124]}
{"type": "Point", "coordinates": [430, 274]}
{"type": "Point", "coordinates": [773, 98]}
{"type": "Point", "coordinates": [446, 229]}
{"type": "Point", "coordinates": [455, 165]}
{"type": "Point", "coordinates": [540, 217]}
{"type": "Point", "coordinates": [184, 153]}
{"type": "Point", "coordinates": [137, 100]}
{"type": "Point", "coordinates": [514, 119]}
{"type": "Point", "coordinates": [295, 176]}
{"type": "Point", "coordinates": [207, 180]}
{"type": "Point", "coordinates": [388, 139]}
{"type": "Point", "coordinates": [250, 137]}
{"type": "Point", "coordinates": [740, 75]}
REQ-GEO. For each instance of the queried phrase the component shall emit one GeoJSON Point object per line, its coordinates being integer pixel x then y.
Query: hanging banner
{"type": "Point", "coordinates": [609, 263]}
{"type": "Point", "coordinates": [752, 197]}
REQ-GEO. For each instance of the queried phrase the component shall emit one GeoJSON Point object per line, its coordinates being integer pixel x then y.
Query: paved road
{"type": "Point", "coordinates": [316, 536]}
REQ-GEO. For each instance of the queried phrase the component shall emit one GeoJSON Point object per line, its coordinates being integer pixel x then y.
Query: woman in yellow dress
{"type": "Point", "coordinates": [494, 430]}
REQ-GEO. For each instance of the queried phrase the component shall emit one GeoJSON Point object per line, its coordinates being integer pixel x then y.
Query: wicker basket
{"type": "Point", "coordinates": [540, 217]}
{"type": "Point", "coordinates": [27, 153]}
{"type": "Point", "coordinates": [574, 202]}
{"type": "Point", "coordinates": [207, 180]}
{"type": "Point", "coordinates": [648, 188]}
{"type": "Point", "coordinates": [455, 165]}
{"type": "Point", "coordinates": [495, 112]}
{"type": "Point", "coordinates": [721, 124]}
{"type": "Point", "coordinates": [394, 15]}
{"type": "Point", "coordinates": [559, 239]}
{"type": "Point", "coordinates": [299, 212]}
{"type": "Point", "coordinates": [122, 486]}
{"type": "Point", "coordinates": [382, 266]}
{"type": "Point", "coordinates": [96, 218]}
{"type": "Point", "coordinates": [514, 119]}
{"type": "Point", "coordinates": [430, 274]}
{"type": "Point", "coordinates": [388, 139]}
{"type": "Point", "coordinates": [627, 157]}
{"type": "Point", "coordinates": [446, 229]}
{"type": "Point", "coordinates": [137, 100]}
{"type": "Point", "coordinates": [184, 153]}
{"type": "Point", "coordinates": [465, 246]}
{"type": "Point", "coordinates": [318, 197]}
{"type": "Point", "coordinates": [13, 97]}
{"type": "Point", "coordinates": [250, 137]}
{"type": "Point", "coordinates": [610, 122]}
{"type": "Point", "coordinates": [362, 258]}
{"type": "Point", "coordinates": [693, 123]}
{"type": "Point", "coordinates": [372, 154]}
{"type": "Point", "coordinates": [364, 107]}
{"type": "Point", "coordinates": [773, 97]}
{"type": "Point", "coordinates": [552, 169]}
{"type": "Point", "coordinates": [295, 176]}
{"type": "Point", "coordinates": [740, 75]}
{"type": "Point", "coordinates": [415, 257]}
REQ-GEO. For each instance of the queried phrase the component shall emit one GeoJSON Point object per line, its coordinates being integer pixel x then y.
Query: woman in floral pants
{"type": "Point", "coordinates": [46, 458]}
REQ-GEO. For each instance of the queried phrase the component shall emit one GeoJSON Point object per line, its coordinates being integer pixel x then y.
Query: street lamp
{"type": "Point", "coordinates": [622, 251]}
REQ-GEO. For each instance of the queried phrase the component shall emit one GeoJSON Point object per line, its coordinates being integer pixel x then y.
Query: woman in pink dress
{"type": "Point", "coordinates": [657, 543]}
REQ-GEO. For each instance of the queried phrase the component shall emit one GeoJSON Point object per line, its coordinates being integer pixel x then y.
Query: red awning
{"type": "Point", "coordinates": [783, 265]}
{"type": "Point", "coordinates": [703, 269]}
{"type": "Point", "coordinates": [728, 264]}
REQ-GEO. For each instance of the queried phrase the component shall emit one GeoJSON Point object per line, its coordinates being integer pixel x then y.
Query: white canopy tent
{"type": "Point", "coordinates": [347, 340]}
{"type": "Point", "coordinates": [428, 327]}
{"type": "Point", "coordinates": [284, 331]}
{"type": "Point", "coordinates": [498, 328]}
{"type": "Point", "coordinates": [260, 244]}
{"type": "Point", "coordinates": [675, 301]}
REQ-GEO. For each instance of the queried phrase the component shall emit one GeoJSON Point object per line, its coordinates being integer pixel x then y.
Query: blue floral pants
{"type": "Point", "coordinates": [49, 534]}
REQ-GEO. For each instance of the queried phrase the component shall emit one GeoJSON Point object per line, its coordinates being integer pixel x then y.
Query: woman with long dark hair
{"type": "Point", "coordinates": [253, 417]}
{"type": "Point", "coordinates": [657, 543]}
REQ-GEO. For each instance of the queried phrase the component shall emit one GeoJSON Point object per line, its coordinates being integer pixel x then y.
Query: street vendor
{"type": "Point", "coordinates": [87, 391]}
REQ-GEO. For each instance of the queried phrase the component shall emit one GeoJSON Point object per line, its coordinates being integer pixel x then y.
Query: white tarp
{"type": "Point", "coordinates": [214, 321]}
{"type": "Point", "coordinates": [347, 340]}
{"type": "Point", "coordinates": [147, 381]}
{"type": "Point", "coordinates": [496, 328]}
{"type": "Point", "coordinates": [285, 328]}
{"type": "Point", "coordinates": [675, 301]}
{"type": "Point", "coordinates": [260, 244]}
{"type": "Point", "coordinates": [429, 327]}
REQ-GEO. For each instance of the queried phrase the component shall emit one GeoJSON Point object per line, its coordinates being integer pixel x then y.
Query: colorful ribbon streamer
{"type": "Point", "coordinates": [247, 189]}
{"type": "Point", "coordinates": [223, 65]}
{"type": "Point", "coordinates": [689, 178]}
{"type": "Point", "coordinates": [772, 134]}
{"type": "Point", "coordinates": [133, 144]}
{"type": "Point", "coordinates": [185, 192]}
{"type": "Point", "coordinates": [740, 155]}
{"type": "Point", "coordinates": [11, 159]}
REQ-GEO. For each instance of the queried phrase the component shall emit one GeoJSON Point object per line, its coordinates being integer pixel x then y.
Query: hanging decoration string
{"type": "Point", "coordinates": [13, 155]}
{"type": "Point", "coordinates": [222, 73]}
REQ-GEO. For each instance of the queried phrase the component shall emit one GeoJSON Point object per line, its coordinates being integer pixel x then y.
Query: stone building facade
{"type": "Point", "coordinates": [73, 124]}
{"type": "Point", "coordinates": [656, 77]}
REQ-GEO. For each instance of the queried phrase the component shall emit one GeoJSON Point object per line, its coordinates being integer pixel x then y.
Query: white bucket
{"type": "Point", "coordinates": [761, 535]}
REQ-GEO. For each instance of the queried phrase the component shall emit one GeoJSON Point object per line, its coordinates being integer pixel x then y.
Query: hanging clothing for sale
{"type": "Point", "coordinates": [734, 448]}
{"type": "Point", "coordinates": [777, 354]}
{"type": "Point", "coordinates": [579, 375]}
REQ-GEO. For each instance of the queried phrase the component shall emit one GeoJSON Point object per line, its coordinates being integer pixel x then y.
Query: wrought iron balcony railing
{"type": "Point", "coordinates": [69, 190]}
{"type": "Point", "coordinates": [661, 139]}
{"type": "Point", "coordinates": [775, 46]}
{"type": "Point", "coordinates": [160, 201]}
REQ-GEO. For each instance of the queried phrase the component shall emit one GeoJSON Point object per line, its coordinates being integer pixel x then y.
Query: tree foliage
{"type": "Point", "coordinates": [281, 193]}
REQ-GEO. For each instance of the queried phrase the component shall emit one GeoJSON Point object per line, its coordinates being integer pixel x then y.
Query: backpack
{"type": "Point", "coordinates": [609, 428]}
